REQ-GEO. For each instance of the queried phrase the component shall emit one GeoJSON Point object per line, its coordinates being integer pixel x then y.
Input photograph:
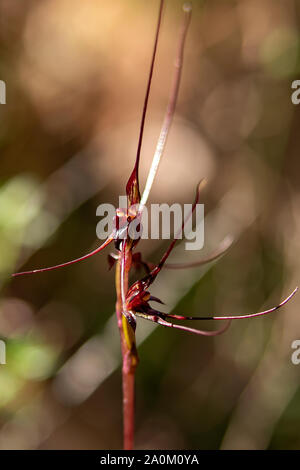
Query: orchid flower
{"type": "Point", "coordinates": [134, 301]}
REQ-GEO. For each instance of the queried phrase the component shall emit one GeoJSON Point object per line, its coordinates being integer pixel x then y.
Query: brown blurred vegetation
{"type": "Point", "coordinates": [76, 74]}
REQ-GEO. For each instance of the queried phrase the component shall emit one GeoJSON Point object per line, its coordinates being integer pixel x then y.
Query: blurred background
{"type": "Point", "coordinates": [76, 75]}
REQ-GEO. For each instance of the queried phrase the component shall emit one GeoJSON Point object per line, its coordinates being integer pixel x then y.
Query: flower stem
{"type": "Point", "coordinates": [128, 408]}
{"type": "Point", "coordinates": [128, 349]}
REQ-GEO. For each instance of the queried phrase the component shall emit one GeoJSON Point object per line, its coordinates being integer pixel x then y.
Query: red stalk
{"type": "Point", "coordinates": [128, 348]}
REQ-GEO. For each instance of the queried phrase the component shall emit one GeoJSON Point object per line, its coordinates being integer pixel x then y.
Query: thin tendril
{"type": "Point", "coordinates": [136, 166]}
{"type": "Point", "coordinates": [62, 265]}
{"type": "Point", "coordinates": [223, 247]}
{"type": "Point", "coordinates": [171, 105]}
{"type": "Point", "coordinates": [235, 317]}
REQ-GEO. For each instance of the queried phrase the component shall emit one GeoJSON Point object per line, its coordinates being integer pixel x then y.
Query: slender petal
{"type": "Point", "coordinates": [149, 279]}
{"type": "Point", "coordinates": [62, 265]}
{"type": "Point", "coordinates": [132, 187]}
{"type": "Point", "coordinates": [192, 330]}
{"type": "Point", "coordinates": [235, 317]}
{"type": "Point", "coordinates": [223, 247]}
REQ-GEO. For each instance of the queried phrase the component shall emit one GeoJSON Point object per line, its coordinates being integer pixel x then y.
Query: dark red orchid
{"type": "Point", "coordinates": [135, 300]}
